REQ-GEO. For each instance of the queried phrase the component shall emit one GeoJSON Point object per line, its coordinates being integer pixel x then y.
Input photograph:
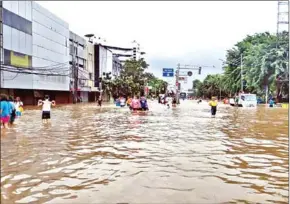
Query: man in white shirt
{"type": "Point", "coordinates": [46, 107]}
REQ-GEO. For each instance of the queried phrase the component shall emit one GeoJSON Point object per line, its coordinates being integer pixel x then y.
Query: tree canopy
{"type": "Point", "coordinates": [265, 66]}
{"type": "Point", "coordinates": [133, 79]}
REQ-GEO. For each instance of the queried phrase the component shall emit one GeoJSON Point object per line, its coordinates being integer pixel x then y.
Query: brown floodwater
{"type": "Point", "coordinates": [182, 155]}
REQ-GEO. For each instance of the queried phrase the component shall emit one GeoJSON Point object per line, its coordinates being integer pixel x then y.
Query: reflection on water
{"type": "Point", "coordinates": [88, 155]}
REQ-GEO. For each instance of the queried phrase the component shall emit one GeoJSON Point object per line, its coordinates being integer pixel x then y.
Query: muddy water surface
{"type": "Point", "coordinates": [181, 155]}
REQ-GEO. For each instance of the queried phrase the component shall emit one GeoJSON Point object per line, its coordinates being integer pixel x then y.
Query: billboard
{"type": "Point", "coordinates": [17, 59]}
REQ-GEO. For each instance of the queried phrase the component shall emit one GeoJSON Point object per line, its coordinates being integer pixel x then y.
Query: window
{"type": "Point", "coordinates": [90, 76]}
{"type": "Point", "coordinates": [7, 17]}
{"type": "Point", "coordinates": [17, 22]}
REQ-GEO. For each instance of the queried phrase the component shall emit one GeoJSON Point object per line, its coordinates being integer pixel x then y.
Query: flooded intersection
{"type": "Point", "coordinates": [88, 155]}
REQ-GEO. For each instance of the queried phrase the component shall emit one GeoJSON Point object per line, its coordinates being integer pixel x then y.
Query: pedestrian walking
{"type": "Point", "coordinates": [46, 108]}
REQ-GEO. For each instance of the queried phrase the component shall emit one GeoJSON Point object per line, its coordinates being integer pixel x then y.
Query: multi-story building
{"type": "Point", "coordinates": [17, 44]}
{"type": "Point", "coordinates": [117, 66]}
{"type": "Point", "coordinates": [35, 52]}
{"type": "Point", "coordinates": [90, 56]}
{"type": "Point", "coordinates": [79, 58]}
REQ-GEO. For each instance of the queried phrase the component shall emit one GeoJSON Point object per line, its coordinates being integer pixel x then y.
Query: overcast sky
{"type": "Point", "coordinates": [170, 32]}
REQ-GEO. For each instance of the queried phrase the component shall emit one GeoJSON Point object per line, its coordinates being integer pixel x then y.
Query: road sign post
{"type": "Point", "coordinates": [168, 72]}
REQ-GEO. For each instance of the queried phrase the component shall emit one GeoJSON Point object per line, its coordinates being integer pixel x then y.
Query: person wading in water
{"type": "Point", "coordinates": [213, 104]}
{"type": "Point", "coordinates": [100, 100]}
{"type": "Point", "coordinates": [135, 104]}
{"type": "Point", "coordinates": [46, 108]}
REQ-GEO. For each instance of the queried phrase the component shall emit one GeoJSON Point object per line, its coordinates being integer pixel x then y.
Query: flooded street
{"type": "Point", "coordinates": [181, 155]}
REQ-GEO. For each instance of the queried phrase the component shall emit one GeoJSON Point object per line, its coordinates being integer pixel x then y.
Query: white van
{"type": "Point", "coordinates": [247, 100]}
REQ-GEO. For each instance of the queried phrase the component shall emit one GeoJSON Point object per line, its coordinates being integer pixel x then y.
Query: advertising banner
{"type": "Point", "coordinates": [17, 59]}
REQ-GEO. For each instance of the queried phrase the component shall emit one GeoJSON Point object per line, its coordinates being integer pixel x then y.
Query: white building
{"type": "Point", "coordinates": [34, 37]}
{"type": "Point", "coordinates": [78, 55]}
{"type": "Point", "coordinates": [50, 39]}
{"type": "Point", "coordinates": [34, 41]}
{"type": "Point", "coordinates": [17, 43]}
{"type": "Point", "coordinates": [90, 65]}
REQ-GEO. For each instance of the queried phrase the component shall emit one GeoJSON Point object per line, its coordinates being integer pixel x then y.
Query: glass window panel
{"type": "Point", "coordinates": [7, 17]}
{"type": "Point", "coordinates": [16, 21]}
{"type": "Point", "coordinates": [26, 26]}
{"type": "Point", "coordinates": [7, 57]}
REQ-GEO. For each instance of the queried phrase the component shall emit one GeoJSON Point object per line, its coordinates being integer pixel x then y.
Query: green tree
{"type": "Point", "coordinates": [133, 79]}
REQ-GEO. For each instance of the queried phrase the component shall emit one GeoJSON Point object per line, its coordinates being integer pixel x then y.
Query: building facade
{"type": "Point", "coordinates": [40, 56]}
{"type": "Point", "coordinates": [17, 44]}
{"type": "Point", "coordinates": [35, 53]}
{"type": "Point", "coordinates": [50, 41]}
{"type": "Point", "coordinates": [90, 56]}
{"type": "Point", "coordinates": [117, 66]}
{"type": "Point", "coordinates": [79, 58]}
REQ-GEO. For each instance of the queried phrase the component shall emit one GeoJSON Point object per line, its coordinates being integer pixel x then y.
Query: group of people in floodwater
{"type": "Point", "coordinates": [10, 109]}
{"type": "Point", "coordinates": [135, 104]}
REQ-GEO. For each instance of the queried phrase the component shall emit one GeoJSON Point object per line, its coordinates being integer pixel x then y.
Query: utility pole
{"type": "Point", "coordinates": [177, 84]}
{"type": "Point", "coordinates": [75, 76]}
{"type": "Point", "coordinates": [186, 67]}
{"type": "Point", "coordinates": [242, 84]}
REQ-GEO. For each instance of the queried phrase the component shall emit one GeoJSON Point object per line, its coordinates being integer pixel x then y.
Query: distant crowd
{"type": "Point", "coordinates": [135, 104]}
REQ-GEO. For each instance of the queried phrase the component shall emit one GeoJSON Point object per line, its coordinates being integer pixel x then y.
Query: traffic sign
{"type": "Point", "coordinates": [189, 73]}
{"type": "Point", "coordinates": [168, 72]}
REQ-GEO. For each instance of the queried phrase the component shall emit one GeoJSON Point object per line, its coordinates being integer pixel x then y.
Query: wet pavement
{"type": "Point", "coordinates": [109, 155]}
